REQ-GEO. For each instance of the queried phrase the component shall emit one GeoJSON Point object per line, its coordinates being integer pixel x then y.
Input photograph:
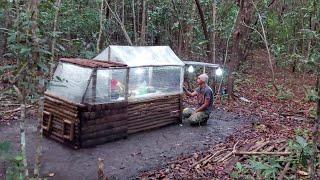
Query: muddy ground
{"type": "Point", "coordinates": [124, 159]}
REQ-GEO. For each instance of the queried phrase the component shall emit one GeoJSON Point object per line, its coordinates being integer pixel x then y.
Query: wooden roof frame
{"type": "Point", "coordinates": [92, 63]}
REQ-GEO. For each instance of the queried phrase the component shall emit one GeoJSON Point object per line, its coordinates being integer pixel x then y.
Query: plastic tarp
{"type": "Point", "coordinates": [137, 56]}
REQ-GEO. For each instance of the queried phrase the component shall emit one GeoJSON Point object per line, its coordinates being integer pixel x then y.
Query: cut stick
{"type": "Point", "coordinates": [226, 157]}
{"type": "Point", "coordinates": [214, 155]}
{"type": "Point", "coordinates": [15, 110]}
{"type": "Point", "coordinates": [261, 146]}
{"type": "Point", "coordinates": [262, 153]}
{"type": "Point", "coordinates": [283, 173]}
{"type": "Point", "coordinates": [230, 164]}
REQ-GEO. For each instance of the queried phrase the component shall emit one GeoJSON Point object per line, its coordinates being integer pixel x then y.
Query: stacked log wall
{"type": "Point", "coordinates": [101, 123]}
{"type": "Point", "coordinates": [153, 113]}
{"type": "Point", "coordinates": [61, 121]}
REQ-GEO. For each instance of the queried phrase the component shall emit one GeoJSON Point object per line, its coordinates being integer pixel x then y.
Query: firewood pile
{"type": "Point", "coordinates": [219, 160]}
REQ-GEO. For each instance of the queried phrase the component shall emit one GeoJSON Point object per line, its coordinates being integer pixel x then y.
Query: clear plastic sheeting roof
{"type": "Point", "coordinates": [137, 56]}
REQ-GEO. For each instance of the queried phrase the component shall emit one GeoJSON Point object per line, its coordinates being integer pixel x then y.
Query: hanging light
{"type": "Point", "coordinates": [139, 70]}
{"type": "Point", "coordinates": [190, 69]}
{"type": "Point", "coordinates": [219, 72]}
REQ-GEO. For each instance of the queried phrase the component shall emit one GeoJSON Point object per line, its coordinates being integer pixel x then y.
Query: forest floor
{"type": "Point", "coordinates": [124, 159]}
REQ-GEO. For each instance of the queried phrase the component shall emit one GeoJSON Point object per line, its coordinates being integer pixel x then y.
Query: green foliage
{"type": "Point", "coordinates": [240, 171]}
{"type": "Point", "coordinates": [284, 94]}
{"type": "Point", "coordinates": [268, 167]}
{"type": "Point", "coordinates": [13, 162]}
{"type": "Point", "coordinates": [312, 112]}
{"type": "Point", "coordinates": [302, 151]}
{"type": "Point", "coordinates": [311, 95]}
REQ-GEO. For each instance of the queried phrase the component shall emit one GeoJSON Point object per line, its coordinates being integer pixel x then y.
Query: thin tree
{"type": "Point", "coordinates": [134, 22]}
{"type": "Point", "coordinates": [143, 24]}
{"type": "Point", "coordinates": [99, 44]}
{"type": "Point", "coordinates": [54, 37]}
{"type": "Point", "coordinates": [239, 35]}
{"type": "Point", "coordinates": [205, 31]}
{"type": "Point", "coordinates": [214, 9]}
{"type": "Point", "coordinates": [120, 23]}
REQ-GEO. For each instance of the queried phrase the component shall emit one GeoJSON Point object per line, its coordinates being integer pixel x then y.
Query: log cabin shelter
{"type": "Point", "coordinates": [123, 90]}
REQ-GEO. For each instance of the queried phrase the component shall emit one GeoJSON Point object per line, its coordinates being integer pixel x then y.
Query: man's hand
{"type": "Point", "coordinates": [184, 88]}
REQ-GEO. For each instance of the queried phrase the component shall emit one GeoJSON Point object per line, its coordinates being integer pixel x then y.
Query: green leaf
{"type": "Point", "coordinates": [18, 158]}
{"type": "Point", "coordinates": [203, 42]}
{"type": "Point", "coordinates": [24, 51]}
{"type": "Point", "coordinates": [4, 146]}
{"type": "Point", "coordinates": [239, 166]}
{"type": "Point", "coordinates": [301, 141]}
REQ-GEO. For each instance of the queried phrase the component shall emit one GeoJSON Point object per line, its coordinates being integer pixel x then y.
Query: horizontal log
{"type": "Point", "coordinates": [155, 99]}
{"type": "Point", "coordinates": [104, 133]}
{"type": "Point", "coordinates": [97, 107]}
{"type": "Point", "coordinates": [93, 142]}
{"type": "Point", "coordinates": [150, 123]}
{"type": "Point", "coordinates": [106, 119]}
{"type": "Point", "coordinates": [60, 100]}
{"type": "Point", "coordinates": [135, 130]}
{"type": "Point", "coordinates": [150, 114]}
{"type": "Point", "coordinates": [103, 113]}
{"type": "Point", "coordinates": [157, 103]}
{"type": "Point", "coordinates": [155, 108]}
{"type": "Point", "coordinates": [262, 153]}
{"type": "Point", "coordinates": [150, 117]}
{"type": "Point", "coordinates": [99, 127]}
{"type": "Point", "coordinates": [62, 115]}
{"type": "Point", "coordinates": [60, 110]}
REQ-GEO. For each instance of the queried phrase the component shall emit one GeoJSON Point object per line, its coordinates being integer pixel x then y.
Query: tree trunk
{"type": "Point", "coordinates": [205, 31]}
{"type": "Point", "coordinates": [239, 36]}
{"type": "Point", "coordinates": [143, 24]}
{"type": "Point", "coordinates": [120, 23]}
{"type": "Point", "coordinates": [316, 130]}
{"type": "Point", "coordinates": [134, 23]}
{"type": "Point", "coordinates": [54, 38]}
{"type": "Point", "coordinates": [99, 43]}
{"type": "Point", "coordinates": [214, 31]}
{"type": "Point", "coordinates": [122, 14]}
{"type": "Point", "coordinates": [3, 33]}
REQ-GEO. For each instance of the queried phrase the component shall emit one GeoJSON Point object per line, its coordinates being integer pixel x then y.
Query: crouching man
{"type": "Point", "coordinates": [204, 95]}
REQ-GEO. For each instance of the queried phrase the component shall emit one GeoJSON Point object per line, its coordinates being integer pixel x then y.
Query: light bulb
{"type": "Point", "coordinates": [139, 71]}
{"type": "Point", "coordinates": [219, 72]}
{"type": "Point", "coordinates": [190, 69]}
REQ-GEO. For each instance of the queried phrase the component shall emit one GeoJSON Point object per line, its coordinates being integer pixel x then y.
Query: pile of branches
{"type": "Point", "coordinates": [222, 160]}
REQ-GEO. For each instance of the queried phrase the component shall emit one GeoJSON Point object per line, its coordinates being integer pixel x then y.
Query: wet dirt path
{"type": "Point", "coordinates": [125, 158]}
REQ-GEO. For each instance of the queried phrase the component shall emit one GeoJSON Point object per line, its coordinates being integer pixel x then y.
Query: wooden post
{"type": "Point", "coordinates": [94, 85]}
{"type": "Point", "coordinates": [126, 96]}
{"type": "Point", "coordinates": [150, 75]}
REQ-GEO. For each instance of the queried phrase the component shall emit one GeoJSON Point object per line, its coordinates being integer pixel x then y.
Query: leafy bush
{"type": "Point", "coordinates": [311, 95]}
{"type": "Point", "coordinates": [268, 167]}
{"type": "Point", "coordinates": [284, 94]}
{"type": "Point", "coordinates": [13, 162]}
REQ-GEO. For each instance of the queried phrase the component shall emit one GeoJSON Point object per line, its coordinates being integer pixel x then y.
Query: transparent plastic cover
{"type": "Point", "coordinates": [70, 82]}
{"type": "Point", "coordinates": [109, 86]}
{"type": "Point", "coordinates": [146, 82]}
{"type": "Point", "coordinates": [135, 56]}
